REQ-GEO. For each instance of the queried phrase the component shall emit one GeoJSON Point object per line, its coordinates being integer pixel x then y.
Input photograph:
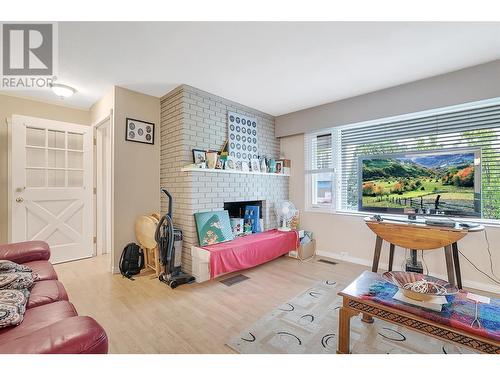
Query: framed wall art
{"type": "Point", "coordinates": [242, 136]}
{"type": "Point", "coordinates": [140, 131]}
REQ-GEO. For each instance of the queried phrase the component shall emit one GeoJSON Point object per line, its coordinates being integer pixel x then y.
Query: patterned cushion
{"type": "Point", "coordinates": [6, 279]}
{"type": "Point", "coordinates": [8, 266]}
{"type": "Point", "coordinates": [9, 315]}
{"type": "Point", "coordinates": [17, 280]}
{"type": "Point", "coordinates": [15, 297]}
{"type": "Point", "coordinates": [12, 306]}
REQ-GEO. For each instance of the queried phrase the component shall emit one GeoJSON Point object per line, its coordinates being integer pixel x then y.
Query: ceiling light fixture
{"type": "Point", "coordinates": [63, 91]}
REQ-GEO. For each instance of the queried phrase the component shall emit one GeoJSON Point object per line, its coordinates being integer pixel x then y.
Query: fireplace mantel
{"type": "Point", "coordinates": [208, 170]}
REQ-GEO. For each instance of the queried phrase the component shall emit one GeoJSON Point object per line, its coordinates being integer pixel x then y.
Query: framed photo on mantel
{"type": "Point", "coordinates": [140, 131]}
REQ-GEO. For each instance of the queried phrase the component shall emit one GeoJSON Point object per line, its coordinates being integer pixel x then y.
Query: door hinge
{"type": "Point", "coordinates": [95, 239]}
{"type": "Point", "coordinates": [95, 190]}
{"type": "Point", "coordinates": [95, 141]}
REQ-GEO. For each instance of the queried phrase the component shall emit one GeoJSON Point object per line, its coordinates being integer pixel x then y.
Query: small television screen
{"type": "Point", "coordinates": [445, 182]}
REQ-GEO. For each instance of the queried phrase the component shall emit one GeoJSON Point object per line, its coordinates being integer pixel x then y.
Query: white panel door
{"type": "Point", "coordinates": [52, 186]}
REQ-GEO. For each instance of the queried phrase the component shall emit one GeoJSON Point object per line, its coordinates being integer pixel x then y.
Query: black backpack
{"type": "Point", "coordinates": [131, 261]}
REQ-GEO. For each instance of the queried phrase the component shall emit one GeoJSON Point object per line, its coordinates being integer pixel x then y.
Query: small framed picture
{"type": "Point", "coordinates": [199, 156]}
{"type": "Point", "coordinates": [140, 131]}
{"type": "Point", "coordinates": [279, 166]}
{"type": "Point", "coordinates": [220, 163]}
{"type": "Point", "coordinates": [255, 165]}
{"type": "Point", "coordinates": [230, 164]}
{"type": "Point", "coordinates": [244, 166]}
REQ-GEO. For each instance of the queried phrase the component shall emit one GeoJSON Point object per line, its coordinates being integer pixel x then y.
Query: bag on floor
{"type": "Point", "coordinates": [132, 260]}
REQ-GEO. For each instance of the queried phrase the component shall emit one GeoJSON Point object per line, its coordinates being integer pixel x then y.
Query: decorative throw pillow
{"type": "Point", "coordinates": [15, 297]}
{"type": "Point", "coordinates": [9, 315]}
{"type": "Point", "coordinates": [6, 279]}
{"type": "Point", "coordinates": [17, 280]}
{"type": "Point", "coordinates": [8, 266]}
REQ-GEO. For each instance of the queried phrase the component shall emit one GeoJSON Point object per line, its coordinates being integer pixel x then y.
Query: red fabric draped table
{"type": "Point", "coordinates": [250, 251]}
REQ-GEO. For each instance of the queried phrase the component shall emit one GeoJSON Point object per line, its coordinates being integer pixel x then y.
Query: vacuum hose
{"type": "Point", "coordinates": [164, 236]}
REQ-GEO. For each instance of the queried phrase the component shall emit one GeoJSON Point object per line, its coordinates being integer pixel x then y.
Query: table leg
{"type": "Point", "coordinates": [449, 264]}
{"type": "Point", "coordinates": [345, 315]}
{"type": "Point", "coordinates": [456, 262]}
{"type": "Point", "coordinates": [146, 260]}
{"type": "Point", "coordinates": [157, 261]}
{"type": "Point", "coordinates": [391, 255]}
{"type": "Point", "coordinates": [366, 318]}
{"type": "Point", "coordinates": [376, 254]}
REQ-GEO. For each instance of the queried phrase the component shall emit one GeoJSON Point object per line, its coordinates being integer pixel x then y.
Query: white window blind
{"type": "Point", "coordinates": [477, 127]}
{"type": "Point", "coordinates": [321, 146]}
{"type": "Point", "coordinates": [319, 171]}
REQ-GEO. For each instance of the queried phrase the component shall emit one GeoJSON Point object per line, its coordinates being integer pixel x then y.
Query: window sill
{"type": "Point", "coordinates": [321, 210]}
{"type": "Point", "coordinates": [485, 222]}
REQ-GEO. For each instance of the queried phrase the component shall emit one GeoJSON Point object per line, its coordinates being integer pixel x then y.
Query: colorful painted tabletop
{"type": "Point", "coordinates": [459, 312]}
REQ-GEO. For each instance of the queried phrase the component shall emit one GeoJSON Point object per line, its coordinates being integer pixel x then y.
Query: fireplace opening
{"type": "Point", "coordinates": [237, 209]}
{"type": "Point", "coordinates": [245, 221]}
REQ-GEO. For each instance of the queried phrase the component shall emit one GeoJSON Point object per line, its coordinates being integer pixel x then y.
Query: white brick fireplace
{"type": "Point", "coordinates": [191, 118]}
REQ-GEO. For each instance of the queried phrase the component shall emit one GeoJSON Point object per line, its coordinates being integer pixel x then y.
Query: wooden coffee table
{"type": "Point", "coordinates": [354, 304]}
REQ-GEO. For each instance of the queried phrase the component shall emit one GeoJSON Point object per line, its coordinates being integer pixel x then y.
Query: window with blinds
{"type": "Point", "coordinates": [319, 171]}
{"type": "Point", "coordinates": [473, 128]}
{"type": "Point", "coordinates": [332, 155]}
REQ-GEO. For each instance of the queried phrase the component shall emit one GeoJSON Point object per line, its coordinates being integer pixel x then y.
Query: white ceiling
{"type": "Point", "coordinates": [274, 67]}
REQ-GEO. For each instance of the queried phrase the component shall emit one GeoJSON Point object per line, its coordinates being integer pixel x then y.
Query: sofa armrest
{"type": "Point", "coordinates": [23, 252]}
{"type": "Point", "coordinates": [75, 335]}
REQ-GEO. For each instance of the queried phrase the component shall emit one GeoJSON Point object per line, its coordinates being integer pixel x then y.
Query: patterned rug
{"type": "Point", "coordinates": [308, 324]}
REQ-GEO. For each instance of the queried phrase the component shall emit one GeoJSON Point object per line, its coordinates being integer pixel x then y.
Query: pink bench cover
{"type": "Point", "coordinates": [250, 251]}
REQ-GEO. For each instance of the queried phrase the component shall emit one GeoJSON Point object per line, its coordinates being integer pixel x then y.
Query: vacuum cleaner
{"type": "Point", "coordinates": [169, 240]}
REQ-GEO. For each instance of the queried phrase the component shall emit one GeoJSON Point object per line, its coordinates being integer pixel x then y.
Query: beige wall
{"type": "Point", "coordinates": [136, 169]}
{"type": "Point", "coordinates": [463, 86]}
{"type": "Point", "coordinates": [10, 105]}
{"type": "Point", "coordinates": [339, 233]}
{"type": "Point", "coordinates": [103, 107]}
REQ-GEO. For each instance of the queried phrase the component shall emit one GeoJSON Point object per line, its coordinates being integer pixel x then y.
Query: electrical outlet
{"type": "Point", "coordinates": [344, 254]}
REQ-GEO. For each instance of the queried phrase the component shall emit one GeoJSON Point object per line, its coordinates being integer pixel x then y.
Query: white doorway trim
{"type": "Point", "coordinates": [104, 187]}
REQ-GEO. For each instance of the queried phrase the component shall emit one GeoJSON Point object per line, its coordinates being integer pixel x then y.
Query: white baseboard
{"type": "Point", "coordinates": [366, 262]}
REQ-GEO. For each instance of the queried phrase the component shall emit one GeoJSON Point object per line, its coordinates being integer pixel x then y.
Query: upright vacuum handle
{"type": "Point", "coordinates": [170, 201]}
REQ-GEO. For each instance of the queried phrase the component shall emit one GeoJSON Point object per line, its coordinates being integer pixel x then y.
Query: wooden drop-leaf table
{"type": "Point", "coordinates": [416, 235]}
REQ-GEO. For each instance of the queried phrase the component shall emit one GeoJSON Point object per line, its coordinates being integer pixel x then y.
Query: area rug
{"type": "Point", "coordinates": [308, 324]}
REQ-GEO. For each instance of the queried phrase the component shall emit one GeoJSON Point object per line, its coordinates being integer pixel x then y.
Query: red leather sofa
{"type": "Point", "coordinates": [51, 323]}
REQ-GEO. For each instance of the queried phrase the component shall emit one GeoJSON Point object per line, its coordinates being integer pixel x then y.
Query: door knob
{"type": "Point", "coordinates": [19, 199]}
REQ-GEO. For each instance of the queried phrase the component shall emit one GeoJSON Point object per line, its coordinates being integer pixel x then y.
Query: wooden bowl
{"type": "Point", "coordinates": [437, 287]}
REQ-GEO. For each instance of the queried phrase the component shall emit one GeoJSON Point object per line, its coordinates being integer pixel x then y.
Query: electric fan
{"type": "Point", "coordinates": [285, 210]}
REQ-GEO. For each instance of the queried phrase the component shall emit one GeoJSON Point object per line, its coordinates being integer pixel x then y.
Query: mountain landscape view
{"type": "Point", "coordinates": [445, 180]}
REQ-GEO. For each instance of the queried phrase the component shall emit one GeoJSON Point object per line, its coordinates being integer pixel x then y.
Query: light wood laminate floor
{"type": "Point", "coordinates": [146, 316]}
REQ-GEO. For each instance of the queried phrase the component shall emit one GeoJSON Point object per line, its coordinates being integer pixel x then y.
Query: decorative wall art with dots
{"type": "Point", "coordinates": [242, 137]}
{"type": "Point", "coordinates": [140, 131]}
